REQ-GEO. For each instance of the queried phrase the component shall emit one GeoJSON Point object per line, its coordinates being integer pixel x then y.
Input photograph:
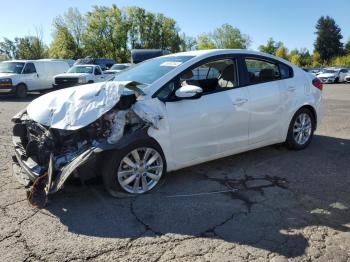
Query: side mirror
{"type": "Point", "coordinates": [189, 91]}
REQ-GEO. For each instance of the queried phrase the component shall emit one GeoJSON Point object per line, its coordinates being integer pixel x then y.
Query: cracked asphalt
{"type": "Point", "coordinates": [270, 204]}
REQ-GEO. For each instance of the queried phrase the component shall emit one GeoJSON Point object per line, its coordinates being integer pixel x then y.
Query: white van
{"type": "Point", "coordinates": [22, 76]}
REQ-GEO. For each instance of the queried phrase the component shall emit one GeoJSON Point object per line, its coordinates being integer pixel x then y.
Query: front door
{"type": "Point", "coordinates": [214, 124]}
{"type": "Point", "coordinates": [30, 77]}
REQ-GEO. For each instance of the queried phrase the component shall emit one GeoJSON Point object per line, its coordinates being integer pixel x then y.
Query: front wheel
{"type": "Point", "coordinates": [21, 91]}
{"type": "Point", "coordinates": [136, 169]}
{"type": "Point", "coordinates": [301, 130]}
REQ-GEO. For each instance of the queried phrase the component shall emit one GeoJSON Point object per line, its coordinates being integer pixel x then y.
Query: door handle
{"type": "Point", "coordinates": [291, 89]}
{"type": "Point", "coordinates": [240, 101]}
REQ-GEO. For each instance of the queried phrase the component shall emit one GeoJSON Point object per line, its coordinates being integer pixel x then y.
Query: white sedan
{"type": "Point", "coordinates": [165, 114]}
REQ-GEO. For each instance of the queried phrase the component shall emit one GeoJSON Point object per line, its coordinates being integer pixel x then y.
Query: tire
{"type": "Point", "coordinates": [295, 140]}
{"type": "Point", "coordinates": [336, 81]}
{"type": "Point", "coordinates": [21, 91]}
{"type": "Point", "coordinates": [90, 82]}
{"type": "Point", "coordinates": [114, 166]}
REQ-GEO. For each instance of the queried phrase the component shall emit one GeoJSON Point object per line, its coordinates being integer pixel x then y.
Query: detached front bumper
{"type": "Point", "coordinates": [24, 168]}
{"type": "Point", "coordinates": [27, 171]}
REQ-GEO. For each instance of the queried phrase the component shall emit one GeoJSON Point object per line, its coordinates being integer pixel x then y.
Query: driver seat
{"type": "Point", "coordinates": [227, 78]}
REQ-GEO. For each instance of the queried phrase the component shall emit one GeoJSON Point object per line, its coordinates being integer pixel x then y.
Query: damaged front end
{"type": "Point", "coordinates": [45, 156]}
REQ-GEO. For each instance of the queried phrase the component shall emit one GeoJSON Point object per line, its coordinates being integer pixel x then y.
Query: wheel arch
{"type": "Point", "coordinates": [307, 106]}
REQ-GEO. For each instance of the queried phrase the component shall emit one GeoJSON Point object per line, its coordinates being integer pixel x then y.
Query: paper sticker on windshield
{"type": "Point", "coordinates": [171, 63]}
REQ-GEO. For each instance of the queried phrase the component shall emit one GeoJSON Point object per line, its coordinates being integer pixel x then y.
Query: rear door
{"type": "Point", "coordinates": [265, 105]}
{"type": "Point", "coordinates": [31, 77]}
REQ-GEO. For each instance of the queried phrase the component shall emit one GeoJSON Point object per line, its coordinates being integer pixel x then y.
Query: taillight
{"type": "Point", "coordinates": [317, 83]}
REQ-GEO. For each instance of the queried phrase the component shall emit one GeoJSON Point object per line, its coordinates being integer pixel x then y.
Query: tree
{"type": "Point", "coordinates": [305, 57]}
{"type": "Point", "coordinates": [205, 42]}
{"type": "Point", "coordinates": [106, 34]}
{"type": "Point", "coordinates": [271, 46]}
{"type": "Point", "coordinates": [328, 43]}
{"type": "Point", "coordinates": [8, 49]}
{"type": "Point", "coordinates": [228, 36]}
{"type": "Point", "coordinates": [282, 52]}
{"type": "Point", "coordinates": [63, 45]}
{"type": "Point", "coordinates": [188, 43]}
{"type": "Point", "coordinates": [225, 36]}
{"type": "Point", "coordinates": [347, 47]}
{"type": "Point", "coordinates": [316, 59]}
{"type": "Point", "coordinates": [75, 23]}
{"type": "Point", "coordinates": [30, 47]}
{"type": "Point", "coordinates": [295, 59]}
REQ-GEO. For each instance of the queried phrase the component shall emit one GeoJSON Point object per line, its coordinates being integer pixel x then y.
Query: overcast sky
{"type": "Point", "coordinates": [290, 21]}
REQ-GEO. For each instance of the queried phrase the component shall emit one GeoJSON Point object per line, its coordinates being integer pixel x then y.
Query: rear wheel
{"type": "Point", "coordinates": [21, 91]}
{"type": "Point", "coordinates": [301, 130]}
{"type": "Point", "coordinates": [136, 169]}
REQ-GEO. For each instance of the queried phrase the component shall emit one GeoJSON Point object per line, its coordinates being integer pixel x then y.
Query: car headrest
{"type": "Point", "coordinates": [228, 74]}
{"type": "Point", "coordinates": [187, 75]}
{"type": "Point", "coordinates": [267, 74]}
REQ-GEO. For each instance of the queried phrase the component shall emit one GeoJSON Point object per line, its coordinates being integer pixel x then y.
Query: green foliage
{"type": "Point", "coordinates": [225, 36]}
{"type": "Point", "coordinates": [295, 59]}
{"type": "Point", "coordinates": [347, 47]}
{"type": "Point", "coordinates": [205, 42]}
{"type": "Point", "coordinates": [71, 25]}
{"type": "Point", "coordinates": [341, 61]}
{"type": "Point", "coordinates": [282, 52]}
{"type": "Point", "coordinates": [228, 36]}
{"type": "Point", "coordinates": [8, 49]}
{"type": "Point", "coordinates": [63, 45]}
{"type": "Point", "coordinates": [30, 47]}
{"type": "Point", "coordinates": [188, 43]}
{"type": "Point", "coordinates": [328, 43]}
{"type": "Point", "coordinates": [271, 46]}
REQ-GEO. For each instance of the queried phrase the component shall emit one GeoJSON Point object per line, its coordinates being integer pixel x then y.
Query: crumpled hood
{"type": "Point", "coordinates": [7, 75]}
{"type": "Point", "coordinates": [73, 75]}
{"type": "Point", "coordinates": [327, 75]}
{"type": "Point", "coordinates": [76, 107]}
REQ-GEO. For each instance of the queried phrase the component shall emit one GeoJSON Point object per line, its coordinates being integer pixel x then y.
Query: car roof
{"type": "Point", "coordinates": [214, 52]}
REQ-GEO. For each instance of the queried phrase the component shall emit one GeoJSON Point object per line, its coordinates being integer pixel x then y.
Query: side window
{"type": "Point", "coordinates": [98, 71]}
{"type": "Point", "coordinates": [212, 76]}
{"type": "Point", "coordinates": [29, 69]}
{"type": "Point", "coordinates": [261, 71]}
{"type": "Point", "coordinates": [285, 71]}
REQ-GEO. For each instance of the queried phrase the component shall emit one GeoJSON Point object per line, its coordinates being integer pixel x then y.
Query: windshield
{"type": "Point", "coordinates": [11, 67]}
{"type": "Point", "coordinates": [149, 71]}
{"type": "Point", "coordinates": [329, 71]}
{"type": "Point", "coordinates": [81, 69]}
{"type": "Point", "coordinates": [119, 67]}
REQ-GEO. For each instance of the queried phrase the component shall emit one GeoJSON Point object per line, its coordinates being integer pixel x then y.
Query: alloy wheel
{"type": "Point", "coordinates": [140, 170]}
{"type": "Point", "coordinates": [302, 129]}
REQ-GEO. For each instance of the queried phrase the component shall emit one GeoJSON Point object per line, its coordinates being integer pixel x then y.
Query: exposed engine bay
{"type": "Point", "coordinates": [49, 156]}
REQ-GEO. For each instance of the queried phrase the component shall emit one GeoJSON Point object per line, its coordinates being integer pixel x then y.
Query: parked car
{"type": "Point", "coordinates": [333, 75]}
{"type": "Point", "coordinates": [117, 68]}
{"type": "Point", "coordinates": [79, 75]}
{"type": "Point", "coordinates": [155, 118]}
{"type": "Point", "coordinates": [140, 55]}
{"type": "Point", "coordinates": [104, 63]}
{"type": "Point", "coordinates": [22, 76]}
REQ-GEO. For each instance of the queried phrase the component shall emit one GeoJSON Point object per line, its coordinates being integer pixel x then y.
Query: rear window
{"type": "Point", "coordinates": [261, 71]}
{"type": "Point", "coordinates": [286, 71]}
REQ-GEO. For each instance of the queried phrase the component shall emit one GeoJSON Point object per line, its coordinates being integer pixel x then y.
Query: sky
{"type": "Point", "coordinates": [290, 21]}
